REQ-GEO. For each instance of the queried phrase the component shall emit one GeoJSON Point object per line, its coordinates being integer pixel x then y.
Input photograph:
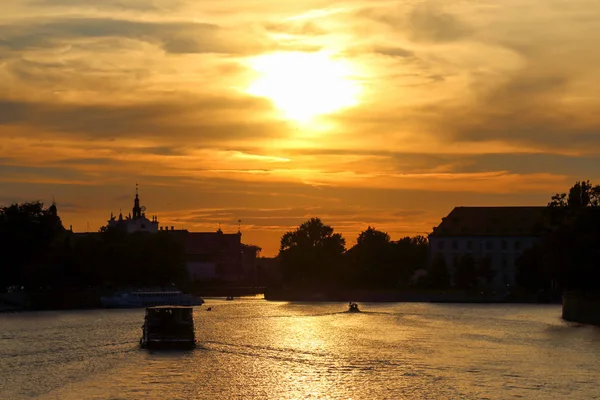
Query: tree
{"type": "Point", "coordinates": [533, 274]}
{"type": "Point", "coordinates": [581, 194]}
{"type": "Point", "coordinates": [571, 251]}
{"type": "Point", "coordinates": [373, 238]}
{"type": "Point", "coordinates": [27, 230]}
{"type": "Point", "coordinates": [39, 254]}
{"type": "Point", "coordinates": [370, 261]}
{"type": "Point", "coordinates": [438, 276]}
{"type": "Point", "coordinates": [311, 255]}
{"type": "Point", "coordinates": [410, 254]}
{"type": "Point", "coordinates": [568, 254]}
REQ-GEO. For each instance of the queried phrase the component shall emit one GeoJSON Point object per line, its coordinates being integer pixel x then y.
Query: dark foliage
{"type": "Point", "coordinates": [567, 257]}
{"type": "Point", "coordinates": [39, 254]}
{"type": "Point", "coordinates": [438, 276]}
{"type": "Point", "coordinates": [313, 256]}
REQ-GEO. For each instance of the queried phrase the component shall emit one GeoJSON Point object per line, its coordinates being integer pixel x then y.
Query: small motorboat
{"type": "Point", "coordinates": [229, 298]}
{"type": "Point", "coordinates": [353, 307]}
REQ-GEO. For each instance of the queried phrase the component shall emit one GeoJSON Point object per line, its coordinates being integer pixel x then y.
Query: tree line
{"type": "Point", "coordinates": [314, 257]}
{"type": "Point", "coordinates": [565, 256]}
{"type": "Point", "coordinates": [39, 254]}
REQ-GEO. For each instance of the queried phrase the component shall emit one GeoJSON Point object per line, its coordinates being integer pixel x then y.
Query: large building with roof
{"type": "Point", "coordinates": [500, 234]}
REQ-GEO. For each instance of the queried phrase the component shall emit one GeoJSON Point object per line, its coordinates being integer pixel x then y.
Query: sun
{"type": "Point", "coordinates": [304, 85]}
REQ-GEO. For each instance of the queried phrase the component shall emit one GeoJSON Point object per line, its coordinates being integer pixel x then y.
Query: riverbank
{"type": "Point", "coordinates": [91, 298]}
{"type": "Point", "coordinates": [405, 296]}
{"type": "Point", "coordinates": [581, 307]}
{"type": "Point", "coordinates": [77, 300]}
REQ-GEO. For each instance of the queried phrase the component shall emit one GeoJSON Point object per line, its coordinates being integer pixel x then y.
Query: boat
{"type": "Point", "coordinates": [151, 298]}
{"type": "Point", "coordinates": [229, 298]}
{"type": "Point", "coordinates": [353, 307]}
{"type": "Point", "coordinates": [168, 327]}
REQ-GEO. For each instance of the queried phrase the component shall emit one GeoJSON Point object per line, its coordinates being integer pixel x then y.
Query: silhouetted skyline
{"type": "Point", "coordinates": [363, 113]}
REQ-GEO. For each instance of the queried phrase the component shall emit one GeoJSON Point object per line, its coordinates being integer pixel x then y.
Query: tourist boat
{"type": "Point", "coordinates": [151, 298]}
{"type": "Point", "coordinates": [168, 327]}
{"type": "Point", "coordinates": [353, 307]}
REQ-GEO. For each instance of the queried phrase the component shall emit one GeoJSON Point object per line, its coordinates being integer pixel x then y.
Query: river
{"type": "Point", "coordinates": [254, 349]}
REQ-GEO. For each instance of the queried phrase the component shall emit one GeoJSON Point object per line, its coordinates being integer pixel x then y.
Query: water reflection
{"type": "Point", "coordinates": [255, 350]}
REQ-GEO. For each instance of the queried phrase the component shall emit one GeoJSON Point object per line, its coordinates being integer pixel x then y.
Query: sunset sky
{"type": "Point", "coordinates": [381, 113]}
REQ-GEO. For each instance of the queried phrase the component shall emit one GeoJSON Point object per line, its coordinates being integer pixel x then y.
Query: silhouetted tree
{"type": "Point", "coordinates": [438, 276]}
{"type": "Point", "coordinates": [568, 254]}
{"type": "Point", "coordinates": [533, 274]}
{"type": "Point", "coordinates": [26, 232]}
{"type": "Point", "coordinates": [39, 254]}
{"type": "Point", "coordinates": [311, 255]}
{"type": "Point", "coordinates": [370, 260]}
{"type": "Point", "coordinates": [378, 262]}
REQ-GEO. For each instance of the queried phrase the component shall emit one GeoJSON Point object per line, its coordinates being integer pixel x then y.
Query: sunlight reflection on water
{"type": "Point", "coordinates": [254, 349]}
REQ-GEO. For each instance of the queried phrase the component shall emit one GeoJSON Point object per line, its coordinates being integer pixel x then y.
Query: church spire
{"type": "Point", "coordinates": [137, 210]}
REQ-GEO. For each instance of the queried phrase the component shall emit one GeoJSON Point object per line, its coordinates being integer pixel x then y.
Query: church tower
{"type": "Point", "coordinates": [137, 210]}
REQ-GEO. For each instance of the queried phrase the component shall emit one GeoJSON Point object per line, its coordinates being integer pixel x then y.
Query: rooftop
{"type": "Point", "coordinates": [492, 221]}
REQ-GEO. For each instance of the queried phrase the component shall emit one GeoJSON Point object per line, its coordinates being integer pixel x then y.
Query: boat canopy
{"type": "Point", "coordinates": [178, 312]}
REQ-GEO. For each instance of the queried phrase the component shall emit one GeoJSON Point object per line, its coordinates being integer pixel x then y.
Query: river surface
{"type": "Point", "coordinates": [254, 349]}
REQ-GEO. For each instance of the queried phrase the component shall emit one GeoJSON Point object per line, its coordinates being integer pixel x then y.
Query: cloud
{"type": "Point", "coordinates": [528, 108]}
{"type": "Point", "coordinates": [201, 118]}
{"type": "Point", "coordinates": [136, 5]}
{"type": "Point", "coordinates": [296, 27]}
{"type": "Point", "coordinates": [394, 52]}
{"type": "Point", "coordinates": [428, 24]}
{"type": "Point", "coordinates": [173, 37]}
{"type": "Point", "coordinates": [461, 104]}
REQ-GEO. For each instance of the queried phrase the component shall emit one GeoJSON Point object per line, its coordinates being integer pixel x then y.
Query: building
{"type": "Point", "coordinates": [136, 221]}
{"type": "Point", "coordinates": [213, 256]}
{"type": "Point", "coordinates": [209, 256]}
{"type": "Point", "coordinates": [500, 234]}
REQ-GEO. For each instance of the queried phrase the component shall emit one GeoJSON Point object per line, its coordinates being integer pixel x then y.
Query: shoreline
{"type": "Point", "coordinates": [88, 301]}
{"type": "Point", "coordinates": [392, 296]}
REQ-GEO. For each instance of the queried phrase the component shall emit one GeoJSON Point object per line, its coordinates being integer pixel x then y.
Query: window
{"type": "Point", "coordinates": [441, 245]}
{"type": "Point", "coordinates": [504, 263]}
{"type": "Point", "coordinates": [504, 245]}
{"type": "Point", "coordinates": [455, 244]}
{"type": "Point", "coordinates": [489, 245]}
{"type": "Point", "coordinates": [469, 245]}
{"type": "Point", "coordinates": [517, 245]}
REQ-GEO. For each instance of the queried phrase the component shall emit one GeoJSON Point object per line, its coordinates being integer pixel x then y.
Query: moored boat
{"type": "Point", "coordinates": [353, 307]}
{"type": "Point", "coordinates": [151, 298]}
{"type": "Point", "coordinates": [168, 327]}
